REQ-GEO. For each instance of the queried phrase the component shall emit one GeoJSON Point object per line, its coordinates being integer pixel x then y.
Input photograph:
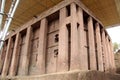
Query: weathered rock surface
{"type": "Point", "coordinates": [72, 75]}
{"type": "Point", "coordinates": [117, 61]}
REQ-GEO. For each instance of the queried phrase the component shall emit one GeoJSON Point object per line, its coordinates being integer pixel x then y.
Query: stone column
{"type": "Point", "coordinates": [91, 41]}
{"type": "Point", "coordinates": [99, 48]}
{"type": "Point", "coordinates": [7, 57]}
{"type": "Point", "coordinates": [75, 63]}
{"type": "Point", "coordinates": [82, 55]}
{"type": "Point", "coordinates": [15, 57]}
{"type": "Point", "coordinates": [42, 46]}
{"type": "Point", "coordinates": [26, 57]}
{"type": "Point", "coordinates": [105, 51]}
{"type": "Point", "coordinates": [63, 42]}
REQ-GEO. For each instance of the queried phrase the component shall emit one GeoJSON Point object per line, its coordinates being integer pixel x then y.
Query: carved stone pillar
{"type": "Point", "coordinates": [2, 56]}
{"type": "Point", "coordinates": [75, 62]}
{"type": "Point", "coordinates": [112, 56]}
{"type": "Point", "coordinates": [82, 54]}
{"type": "Point", "coordinates": [99, 48]}
{"type": "Point", "coordinates": [108, 53]}
{"type": "Point", "coordinates": [63, 42]}
{"type": "Point", "coordinates": [91, 42]}
{"type": "Point", "coordinates": [106, 63]}
{"type": "Point", "coordinates": [15, 57]}
{"type": "Point", "coordinates": [25, 63]}
{"type": "Point", "coordinates": [7, 57]}
{"type": "Point", "coordinates": [42, 46]}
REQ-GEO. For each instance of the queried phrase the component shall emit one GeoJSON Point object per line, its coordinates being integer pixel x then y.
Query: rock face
{"type": "Point", "coordinates": [71, 75]}
{"type": "Point", "coordinates": [117, 61]}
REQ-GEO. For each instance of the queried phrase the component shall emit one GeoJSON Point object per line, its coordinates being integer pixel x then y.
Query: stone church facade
{"type": "Point", "coordinates": [64, 38]}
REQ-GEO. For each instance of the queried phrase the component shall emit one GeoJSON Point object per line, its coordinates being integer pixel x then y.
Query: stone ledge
{"type": "Point", "coordinates": [71, 75]}
{"type": "Point", "coordinates": [97, 75]}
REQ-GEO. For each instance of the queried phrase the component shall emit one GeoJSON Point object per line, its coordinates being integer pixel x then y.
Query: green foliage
{"type": "Point", "coordinates": [116, 46]}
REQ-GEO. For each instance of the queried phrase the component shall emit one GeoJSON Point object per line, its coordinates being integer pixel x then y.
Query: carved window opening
{"type": "Point", "coordinates": [68, 11]}
{"type": "Point", "coordinates": [56, 37]}
{"type": "Point", "coordinates": [55, 52]}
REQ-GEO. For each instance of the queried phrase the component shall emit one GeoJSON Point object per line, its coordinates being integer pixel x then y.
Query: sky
{"type": "Point", "coordinates": [114, 33]}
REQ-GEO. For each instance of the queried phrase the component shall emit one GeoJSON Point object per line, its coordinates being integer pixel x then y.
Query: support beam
{"type": "Point", "coordinates": [99, 48]}
{"type": "Point", "coordinates": [15, 56]}
{"type": "Point", "coordinates": [63, 42]}
{"type": "Point", "coordinates": [91, 42]}
{"type": "Point", "coordinates": [7, 57]}
{"type": "Point", "coordinates": [42, 46]}
{"type": "Point", "coordinates": [75, 63]}
{"type": "Point", "coordinates": [2, 6]}
{"type": "Point", "coordinates": [12, 10]}
{"type": "Point", "coordinates": [82, 55]}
